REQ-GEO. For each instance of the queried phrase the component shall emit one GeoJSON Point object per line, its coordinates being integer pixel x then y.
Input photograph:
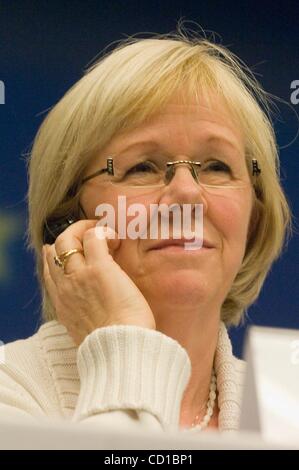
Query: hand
{"type": "Point", "coordinates": [92, 291]}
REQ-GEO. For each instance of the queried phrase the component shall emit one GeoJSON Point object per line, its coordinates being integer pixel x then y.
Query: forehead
{"type": "Point", "coordinates": [212, 115]}
{"type": "Point", "coordinates": [182, 127]}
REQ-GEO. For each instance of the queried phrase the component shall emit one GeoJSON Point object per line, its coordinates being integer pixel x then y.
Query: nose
{"type": "Point", "coordinates": [183, 188]}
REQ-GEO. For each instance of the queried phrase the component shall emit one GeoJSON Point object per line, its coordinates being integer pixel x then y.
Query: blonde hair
{"type": "Point", "coordinates": [122, 90]}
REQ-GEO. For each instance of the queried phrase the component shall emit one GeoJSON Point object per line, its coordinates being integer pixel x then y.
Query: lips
{"type": "Point", "coordinates": [178, 242]}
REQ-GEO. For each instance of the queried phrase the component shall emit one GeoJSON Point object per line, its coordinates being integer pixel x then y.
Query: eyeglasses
{"type": "Point", "coordinates": [214, 174]}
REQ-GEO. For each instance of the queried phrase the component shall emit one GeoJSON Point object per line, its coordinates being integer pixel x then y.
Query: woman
{"type": "Point", "coordinates": [135, 328]}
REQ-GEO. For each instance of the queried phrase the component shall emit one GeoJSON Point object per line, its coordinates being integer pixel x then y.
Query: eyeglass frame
{"type": "Point", "coordinates": [169, 169]}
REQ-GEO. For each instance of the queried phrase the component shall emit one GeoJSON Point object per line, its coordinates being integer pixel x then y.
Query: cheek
{"type": "Point", "coordinates": [91, 199]}
{"type": "Point", "coordinates": [230, 217]}
{"type": "Point", "coordinates": [127, 256]}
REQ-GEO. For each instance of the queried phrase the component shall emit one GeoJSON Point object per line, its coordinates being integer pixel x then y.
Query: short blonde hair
{"type": "Point", "coordinates": [122, 90]}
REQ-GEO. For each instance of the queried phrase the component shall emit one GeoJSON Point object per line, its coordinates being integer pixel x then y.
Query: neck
{"type": "Point", "coordinates": [197, 332]}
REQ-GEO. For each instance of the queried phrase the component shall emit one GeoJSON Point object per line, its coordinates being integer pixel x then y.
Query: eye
{"type": "Point", "coordinates": [142, 167]}
{"type": "Point", "coordinates": [217, 166]}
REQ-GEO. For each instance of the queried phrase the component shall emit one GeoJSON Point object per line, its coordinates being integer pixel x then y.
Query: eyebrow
{"type": "Point", "coordinates": [156, 145]}
{"type": "Point", "coordinates": [142, 143]}
{"type": "Point", "coordinates": [225, 140]}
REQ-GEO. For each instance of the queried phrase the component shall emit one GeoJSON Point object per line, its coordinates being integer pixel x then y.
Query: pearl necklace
{"type": "Point", "coordinates": [210, 408]}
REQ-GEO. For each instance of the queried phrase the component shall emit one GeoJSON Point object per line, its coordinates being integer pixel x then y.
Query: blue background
{"type": "Point", "coordinates": [44, 47]}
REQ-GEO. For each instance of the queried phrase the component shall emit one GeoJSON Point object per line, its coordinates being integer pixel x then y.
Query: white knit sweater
{"type": "Point", "coordinates": [122, 376]}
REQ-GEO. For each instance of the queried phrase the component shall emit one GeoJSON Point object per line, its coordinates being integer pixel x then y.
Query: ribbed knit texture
{"type": "Point", "coordinates": [157, 370]}
{"type": "Point", "coordinates": [115, 368]}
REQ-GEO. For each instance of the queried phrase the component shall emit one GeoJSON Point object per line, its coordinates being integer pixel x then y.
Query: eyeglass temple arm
{"type": "Point", "coordinates": [109, 169]}
{"type": "Point", "coordinates": [255, 167]}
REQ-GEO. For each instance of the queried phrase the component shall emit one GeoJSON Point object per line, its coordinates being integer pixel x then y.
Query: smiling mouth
{"type": "Point", "coordinates": [180, 245]}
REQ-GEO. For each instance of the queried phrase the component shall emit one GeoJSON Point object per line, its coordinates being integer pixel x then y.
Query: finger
{"type": "Point", "coordinates": [55, 271]}
{"type": "Point", "coordinates": [71, 239]}
{"type": "Point", "coordinates": [99, 244]}
{"type": "Point", "coordinates": [48, 281]}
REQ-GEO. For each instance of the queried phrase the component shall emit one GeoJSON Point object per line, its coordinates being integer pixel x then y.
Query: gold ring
{"type": "Point", "coordinates": [62, 258]}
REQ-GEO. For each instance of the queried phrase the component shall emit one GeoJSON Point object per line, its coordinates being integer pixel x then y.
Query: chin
{"type": "Point", "coordinates": [185, 287]}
